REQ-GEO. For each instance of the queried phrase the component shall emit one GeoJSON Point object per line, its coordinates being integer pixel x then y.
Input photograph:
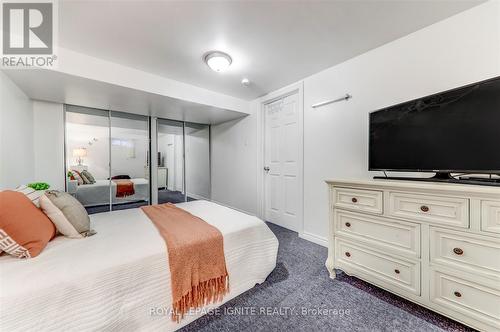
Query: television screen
{"type": "Point", "coordinates": [456, 130]}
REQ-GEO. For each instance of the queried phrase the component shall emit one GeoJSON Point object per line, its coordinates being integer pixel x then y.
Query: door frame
{"type": "Point", "coordinates": [296, 88]}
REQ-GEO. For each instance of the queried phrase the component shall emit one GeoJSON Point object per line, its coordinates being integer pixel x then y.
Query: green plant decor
{"type": "Point", "coordinates": [39, 185]}
{"type": "Point", "coordinates": [70, 174]}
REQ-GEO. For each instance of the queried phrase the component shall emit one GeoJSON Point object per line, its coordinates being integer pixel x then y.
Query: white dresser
{"type": "Point", "coordinates": [436, 244]}
{"type": "Point", "coordinates": [162, 176]}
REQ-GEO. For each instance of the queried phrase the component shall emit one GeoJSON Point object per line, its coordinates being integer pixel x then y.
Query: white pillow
{"type": "Point", "coordinates": [32, 194]}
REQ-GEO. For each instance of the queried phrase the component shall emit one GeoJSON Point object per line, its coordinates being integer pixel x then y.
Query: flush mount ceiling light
{"type": "Point", "coordinates": [218, 61]}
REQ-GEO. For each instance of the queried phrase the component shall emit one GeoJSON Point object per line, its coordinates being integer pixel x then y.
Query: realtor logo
{"type": "Point", "coordinates": [27, 28]}
{"type": "Point", "coordinates": [28, 34]}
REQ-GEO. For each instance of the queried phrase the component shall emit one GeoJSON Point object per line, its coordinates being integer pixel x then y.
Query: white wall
{"type": "Point", "coordinates": [459, 50]}
{"type": "Point", "coordinates": [235, 162]}
{"type": "Point", "coordinates": [48, 133]}
{"type": "Point", "coordinates": [16, 136]}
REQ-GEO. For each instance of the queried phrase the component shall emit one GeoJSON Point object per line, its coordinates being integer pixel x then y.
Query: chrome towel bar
{"type": "Point", "coordinates": [323, 103]}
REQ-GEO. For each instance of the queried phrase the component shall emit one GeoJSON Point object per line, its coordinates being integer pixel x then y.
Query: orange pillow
{"type": "Point", "coordinates": [24, 229]}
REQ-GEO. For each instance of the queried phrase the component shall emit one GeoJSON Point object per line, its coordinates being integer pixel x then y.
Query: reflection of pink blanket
{"type": "Point", "coordinates": [124, 188]}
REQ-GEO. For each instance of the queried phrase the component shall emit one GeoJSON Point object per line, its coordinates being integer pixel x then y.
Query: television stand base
{"type": "Point", "coordinates": [447, 178]}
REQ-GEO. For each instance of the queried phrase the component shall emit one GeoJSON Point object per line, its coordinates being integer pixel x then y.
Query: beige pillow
{"type": "Point", "coordinates": [85, 179]}
{"type": "Point", "coordinates": [89, 177]}
{"type": "Point", "coordinates": [68, 215]}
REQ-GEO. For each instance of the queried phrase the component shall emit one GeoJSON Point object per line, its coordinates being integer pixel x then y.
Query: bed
{"type": "Point", "coordinates": [98, 193]}
{"type": "Point", "coordinates": [119, 279]}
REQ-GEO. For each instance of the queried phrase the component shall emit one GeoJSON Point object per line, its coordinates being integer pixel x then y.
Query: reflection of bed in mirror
{"type": "Point", "coordinates": [98, 193]}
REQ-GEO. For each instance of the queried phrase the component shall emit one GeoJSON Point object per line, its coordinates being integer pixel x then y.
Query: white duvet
{"type": "Point", "coordinates": [119, 279]}
{"type": "Point", "coordinates": [98, 193]}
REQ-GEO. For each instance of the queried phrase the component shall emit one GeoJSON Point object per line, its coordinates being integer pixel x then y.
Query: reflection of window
{"type": "Point", "coordinates": [128, 145]}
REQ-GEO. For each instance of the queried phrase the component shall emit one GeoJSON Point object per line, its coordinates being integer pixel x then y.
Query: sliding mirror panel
{"type": "Point", "coordinates": [170, 157]}
{"type": "Point", "coordinates": [88, 157]}
{"type": "Point", "coordinates": [129, 161]}
{"type": "Point", "coordinates": [197, 151]}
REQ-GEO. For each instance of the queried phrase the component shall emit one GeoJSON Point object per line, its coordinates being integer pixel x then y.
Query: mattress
{"type": "Point", "coordinates": [119, 279]}
{"type": "Point", "coordinates": [98, 192]}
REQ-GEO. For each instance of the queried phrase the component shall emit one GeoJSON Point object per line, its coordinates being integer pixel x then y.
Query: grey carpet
{"type": "Point", "coordinates": [121, 206]}
{"type": "Point", "coordinates": [164, 196]}
{"type": "Point", "coordinates": [169, 196]}
{"type": "Point", "coordinates": [300, 282]}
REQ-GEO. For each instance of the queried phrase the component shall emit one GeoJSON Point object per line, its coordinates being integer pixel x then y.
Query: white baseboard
{"type": "Point", "coordinates": [286, 227]}
{"type": "Point", "coordinates": [232, 207]}
{"type": "Point", "coordinates": [322, 241]}
{"type": "Point", "coordinates": [198, 197]}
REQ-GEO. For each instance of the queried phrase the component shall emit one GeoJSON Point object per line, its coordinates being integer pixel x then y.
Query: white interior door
{"type": "Point", "coordinates": [282, 170]}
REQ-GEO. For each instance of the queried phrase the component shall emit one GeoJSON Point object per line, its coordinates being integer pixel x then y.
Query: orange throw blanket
{"type": "Point", "coordinates": [196, 258]}
{"type": "Point", "coordinates": [124, 188]}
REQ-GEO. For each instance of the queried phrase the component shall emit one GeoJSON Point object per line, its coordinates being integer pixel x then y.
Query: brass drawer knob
{"type": "Point", "coordinates": [397, 271]}
{"type": "Point", "coordinates": [458, 251]}
{"type": "Point", "coordinates": [457, 294]}
{"type": "Point", "coordinates": [424, 208]}
{"type": "Point", "coordinates": [348, 254]}
{"type": "Point", "coordinates": [354, 200]}
{"type": "Point", "coordinates": [348, 224]}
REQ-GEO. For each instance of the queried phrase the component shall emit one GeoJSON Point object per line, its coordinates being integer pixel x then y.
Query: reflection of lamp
{"type": "Point", "coordinates": [79, 154]}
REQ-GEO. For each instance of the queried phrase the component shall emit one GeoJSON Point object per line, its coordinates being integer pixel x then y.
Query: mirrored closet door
{"type": "Point", "coordinates": [107, 158]}
{"type": "Point", "coordinates": [170, 157]}
{"type": "Point", "coordinates": [197, 141]}
{"type": "Point", "coordinates": [88, 157]}
{"type": "Point", "coordinates": [129, 160]}
{"type": "Point", "coordinates": [183, 161]}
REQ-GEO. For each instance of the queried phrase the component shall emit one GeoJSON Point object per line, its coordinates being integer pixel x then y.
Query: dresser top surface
{"type": "Point", "coordinates": [415, 185]}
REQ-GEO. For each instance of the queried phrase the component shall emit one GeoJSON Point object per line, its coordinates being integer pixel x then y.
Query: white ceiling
{"type": "Point", "coordinates": [273, 43]}
{"type": "Point", "coordinates": [49, 85]}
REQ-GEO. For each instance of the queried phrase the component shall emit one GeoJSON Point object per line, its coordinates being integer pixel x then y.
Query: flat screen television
{"type": "Point", "coordinates": [456, 131]}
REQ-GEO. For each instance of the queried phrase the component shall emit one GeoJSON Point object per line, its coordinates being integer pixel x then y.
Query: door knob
{"type": "Point", "coordinates": [266, 168]}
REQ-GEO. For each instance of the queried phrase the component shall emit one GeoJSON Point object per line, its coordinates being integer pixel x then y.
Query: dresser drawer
{"type": "Point", "coordinates": [358, 199]}
{"type": "Point", "coordinates": [490, 216]}
{"type": "Point", "coordinates": [433, 209]}
{"type": "Point", "coordinates": [392, 273]}
{"type": "Point", "coordinates": [465, 251]}
{"type": "Point", "coordinates": [400, 237]}
{"type": "Point", "coordinates": [466, 297]}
